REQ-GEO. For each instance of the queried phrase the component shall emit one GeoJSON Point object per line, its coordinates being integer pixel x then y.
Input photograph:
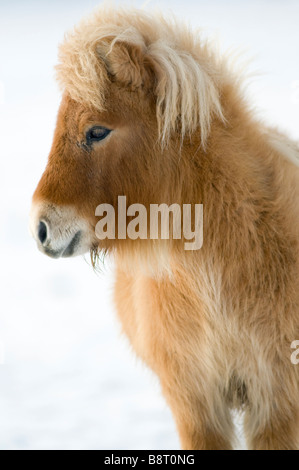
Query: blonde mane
{"type": "Point", "coordinates": [187, 85]}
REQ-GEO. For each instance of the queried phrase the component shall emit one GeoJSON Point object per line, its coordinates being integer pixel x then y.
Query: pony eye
{"type": "Point", "coordinates": [97, 133]}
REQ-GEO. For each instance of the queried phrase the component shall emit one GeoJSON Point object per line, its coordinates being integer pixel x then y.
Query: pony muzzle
{"type": "Point", "coordinates": [58, 231]}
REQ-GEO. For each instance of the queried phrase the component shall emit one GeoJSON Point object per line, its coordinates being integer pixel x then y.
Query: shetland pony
{"type": "Point", "coordinates": [151, 112]}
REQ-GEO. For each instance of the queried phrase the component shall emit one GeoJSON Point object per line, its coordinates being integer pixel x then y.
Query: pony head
{"type": "Point", "coordinates": [137, 89]}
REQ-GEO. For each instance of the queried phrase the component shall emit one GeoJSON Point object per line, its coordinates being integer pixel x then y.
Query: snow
{"type": "Point", "coordinates": [69, 378]}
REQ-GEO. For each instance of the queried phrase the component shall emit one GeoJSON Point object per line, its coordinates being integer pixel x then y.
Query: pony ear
{"type": "Point", "coordinates": [129, 65]}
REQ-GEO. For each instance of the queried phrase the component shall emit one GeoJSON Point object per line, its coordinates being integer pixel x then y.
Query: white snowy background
{"type": "Point", "coordinates": [69, 379]}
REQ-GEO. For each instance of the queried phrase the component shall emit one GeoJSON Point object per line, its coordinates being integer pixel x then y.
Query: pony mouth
{"type": "Point", "coordinates": [72, 246]}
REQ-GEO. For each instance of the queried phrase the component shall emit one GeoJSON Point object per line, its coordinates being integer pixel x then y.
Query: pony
{"type": "Point", "coordinates": [152, 112]}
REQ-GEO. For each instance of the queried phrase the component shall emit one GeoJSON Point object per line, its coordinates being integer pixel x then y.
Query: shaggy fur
{"type": "Point", "coordinates": [165, 58]}
{"type": "Point", "coordinates": [216, 324]}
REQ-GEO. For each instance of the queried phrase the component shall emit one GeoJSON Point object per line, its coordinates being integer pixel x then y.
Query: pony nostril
{"type": "Point", "coordinates": [42, 232]}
